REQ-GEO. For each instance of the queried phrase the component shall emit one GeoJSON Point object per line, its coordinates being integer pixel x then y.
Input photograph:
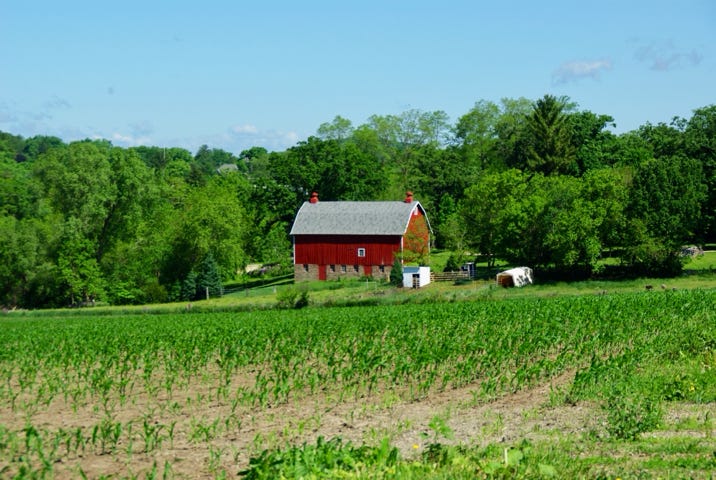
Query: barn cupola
{"type": "Point", "coordinates": [408, 197]}
{"type": "Point", "coordinates": [314, 197]}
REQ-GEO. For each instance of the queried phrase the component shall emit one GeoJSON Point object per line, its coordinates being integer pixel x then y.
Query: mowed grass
{"type": "Point", "coordinates": [700, 273]}
{"type": "Point", "coordinates": [291, 393]}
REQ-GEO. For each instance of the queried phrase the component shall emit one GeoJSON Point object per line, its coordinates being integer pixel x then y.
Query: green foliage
{"type": "Point", "coordinates": [208, 278]}
{"type": "Point", "coordinates": [595, 147]}
{"type": "Point", "coordinates": [440, 429]}
{"type": "Point", "coordinates": [630, 415]}
{"type": "Point", "coordinates": [454, 262]}
{"type": "Point", "coordinates": [188, 286]}
{"type": "Point", "coordinates": [273, 245]}
{"type": "Point", "coordinates": [339, 129]}
{"type": "Point", "coordinates": [665, 205]}
{"type": "Point", "coordinates": [700, 144]}
{"type": "Point", "coordinates": [495, 461]}
{"type": "Point", "coordinates": [326, 459]}
{"type": "Point", "coordinates": [558, 220]}
{"type": "Point", "coordinates": [78, 266]}
{"type": "Point", "coordinates": [302, 300]}
{"type": "Point", "coordinates": [634, 352]}
{"type": "Point", "coordinates": [292, 298]}
{"type": "Point", "coordinates": [510, 129]}
{"type": "Point", "coordinates": [493, 212]}
{"type": "Point", "coordinates": [666, 194]}
{"type": "Point", "coordinates": [90, 221]}
{"type": "Point", "coordinates": [336, 459]}
{"type": "Point", "coordinates": [337, 170]}
{"type": "Point", "coordinates": [650, 256]}
{"type": "Point", "coordinates": [20, 190]}
{"type": "Point", "coordinates": [198, 284]}
{"type": "Point", "coordinates": [476, 130]}
{"type": "Point", "coordinates": [213, 220]}
{"type": "Point", "coordinates": [286, 298]}
{"type": "Point", "coordinates": [21, 258]}
{"type": "Point", "coordinates": [396, 273]}
{"type": "Point", "coordinates": [409, 140]}
{"type": "Point", "coordinates": [549, 145]}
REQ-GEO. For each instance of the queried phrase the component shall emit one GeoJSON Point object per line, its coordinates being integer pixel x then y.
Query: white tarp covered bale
{"type": "Point", "coordinates": [416, 277]}
{"type": "Point", "coordinates": [515, 277]}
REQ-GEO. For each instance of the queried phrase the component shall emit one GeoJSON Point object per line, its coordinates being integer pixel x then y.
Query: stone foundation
{"type": "Point", "coordinates": [305, 273]}
{"type": "Point", "coordinates": [309, 272]}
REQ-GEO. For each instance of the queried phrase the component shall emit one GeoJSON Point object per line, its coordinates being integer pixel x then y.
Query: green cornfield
{"type": "Point", "coordinates": [196, 394]}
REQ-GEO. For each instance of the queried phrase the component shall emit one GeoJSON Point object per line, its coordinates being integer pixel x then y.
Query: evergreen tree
{"type": "Point", "coordinates": [188, 286]}
{"type": "Point", "coordinates": [396, 273]}
{"type": "Point", "coordinates": [210, 278]}
{"type": "Point", "coordinates": [549, 149]}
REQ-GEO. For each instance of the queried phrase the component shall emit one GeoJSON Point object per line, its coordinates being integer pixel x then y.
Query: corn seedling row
{"type": "Point", "coordinates": [163, 365]}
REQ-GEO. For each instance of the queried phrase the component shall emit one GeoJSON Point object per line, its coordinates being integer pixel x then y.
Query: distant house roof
{"type": "Point", "coordinates": [227, 167]}
{"type": "Point", "coordinates": [354, 218]}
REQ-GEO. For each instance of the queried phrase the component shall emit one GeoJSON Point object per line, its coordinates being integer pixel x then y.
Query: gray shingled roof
{"type": "Point", "coordinates": [353, 218]}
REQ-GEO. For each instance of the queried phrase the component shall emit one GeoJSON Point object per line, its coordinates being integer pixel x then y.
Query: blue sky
{"type": "Point", "coordinates": [237, 74]}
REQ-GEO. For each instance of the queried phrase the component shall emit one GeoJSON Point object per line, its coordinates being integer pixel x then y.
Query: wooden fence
{"type": "Point", "coordinates": [449, 276]}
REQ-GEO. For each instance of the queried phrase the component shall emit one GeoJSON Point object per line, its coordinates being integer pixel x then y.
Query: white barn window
{"type": "Point", "coordinates": [361, 252]}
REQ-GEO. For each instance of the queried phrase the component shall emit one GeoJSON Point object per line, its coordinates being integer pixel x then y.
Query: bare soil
{"type": "Point", "coordinates": [209, 437]}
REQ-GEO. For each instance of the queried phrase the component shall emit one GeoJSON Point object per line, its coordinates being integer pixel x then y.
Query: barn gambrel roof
{"type": "Point", "coordinates": [354, 218]}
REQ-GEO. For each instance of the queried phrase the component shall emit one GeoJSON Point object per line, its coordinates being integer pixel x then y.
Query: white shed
{"type": "Point", "coordinates": [416, 277]}
{"type": "Point", "coordinates": [515, 277]}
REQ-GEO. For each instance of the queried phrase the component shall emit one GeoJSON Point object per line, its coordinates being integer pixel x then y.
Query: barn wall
{"type": "Point", "coordinates": [339, 250]}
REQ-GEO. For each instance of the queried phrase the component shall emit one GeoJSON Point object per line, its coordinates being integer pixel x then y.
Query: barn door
{"type": "Point", "coordinates": [321, 272]}
{"type": "Point", "coordinates": [367, 270]}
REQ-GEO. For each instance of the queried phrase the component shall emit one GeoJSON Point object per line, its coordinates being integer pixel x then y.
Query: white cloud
{"type": "Point", "coordinates": [245, 129]}
{"type": "Point", "coordinates": [57, 103]}
{"type": "Point", "coordinates": [664, 56]}
{"type": "Point", "coordinates": [242, 137]}
{"type": "Point", "coordinates": [129, 140]}
{"type": "Point", "coordinates": [141, 129]}
{"type": "Point", "coordinates": [7, 114]}
{"type": "Point", "coordinates": [578, 69]}
{"type": "Point", "coordinates": [22, 122]}
{"type": "Point", "coordinates": [17, 117]}
{"type": "Point", "coordinates": [291, 137]}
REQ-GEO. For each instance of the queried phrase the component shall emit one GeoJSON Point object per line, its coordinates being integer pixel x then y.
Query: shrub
{"type": "Point", "coordinates": [302, 300]}
{"type": "Point", "coordinates": [292, 298]}
{"type": "Point", "coordinates": [454, 262]}
{"type": "Point", "coordinates": [396, 273]}
{"type": "Point", "coordinates": [628, 416]}
{"type": "Point", "coordinates": [286, 298]}
{"type": "Point", "coordinates": [326, 459]}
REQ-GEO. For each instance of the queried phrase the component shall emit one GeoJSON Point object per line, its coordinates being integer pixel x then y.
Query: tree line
{"type": "Point", "coordinates": [541, 183]}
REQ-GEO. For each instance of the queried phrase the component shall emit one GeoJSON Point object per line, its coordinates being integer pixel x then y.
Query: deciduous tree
{"type": "Point", "coordinates": [700, 144]}
{"type": "Point", "coordinates": [665, 201]}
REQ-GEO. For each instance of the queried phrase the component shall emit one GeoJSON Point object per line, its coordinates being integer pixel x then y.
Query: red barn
{"type": "Point", "coordinates": [354, 239]}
